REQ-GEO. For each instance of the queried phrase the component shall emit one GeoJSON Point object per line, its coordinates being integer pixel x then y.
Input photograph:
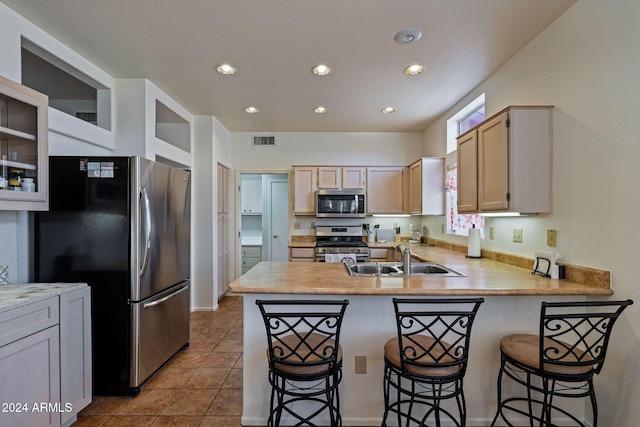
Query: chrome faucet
{"type": "Point", "coordinates": [405, 249]}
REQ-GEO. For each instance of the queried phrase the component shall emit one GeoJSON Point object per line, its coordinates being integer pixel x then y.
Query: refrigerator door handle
{"type": "Point", "coordinates": [163, 299]}
{"type": "Point", "coordinates": [145, 212]}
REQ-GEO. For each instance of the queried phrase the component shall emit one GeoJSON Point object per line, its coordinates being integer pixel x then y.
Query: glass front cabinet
{"type": "Point", "coordinates": [23, 147]}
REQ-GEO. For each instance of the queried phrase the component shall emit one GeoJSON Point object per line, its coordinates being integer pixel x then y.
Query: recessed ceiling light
{"type": "Point", "coordinates": [408, 35]}
{"type": "Point", "coordinates": [389, 110]}
{"type": "Point", "coordinates": [320, 109]}
{"type": "Point", "coordinates": [226, 69]}
{"type": "Point", "coordinates": [414, 69]}
{"type": "Point", "coordinates": [321, 70]}
{"type": "Point", "coordinates": [252, 110]}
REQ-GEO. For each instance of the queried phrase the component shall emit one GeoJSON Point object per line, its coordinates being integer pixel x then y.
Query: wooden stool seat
{"type": "Point", "coordinates": [524, 348]}
{"type": "Point", "coordinates": [300, 354]}
{"type": "Point", "coordinates": [392, 355]}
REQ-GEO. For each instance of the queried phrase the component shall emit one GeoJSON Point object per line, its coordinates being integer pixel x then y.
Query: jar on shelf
{"type": "Point", "coordinates": [15, 178]}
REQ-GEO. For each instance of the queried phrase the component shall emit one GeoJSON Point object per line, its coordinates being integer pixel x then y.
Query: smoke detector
{"type": "Point", "coordinates": [408, 35]}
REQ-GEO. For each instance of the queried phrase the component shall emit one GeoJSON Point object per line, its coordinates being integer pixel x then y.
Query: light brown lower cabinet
{"type": "Point", "coordinates": [302, 254]}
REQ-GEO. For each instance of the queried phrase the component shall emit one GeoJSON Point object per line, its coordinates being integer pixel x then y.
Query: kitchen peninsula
{"type": "Point", "coordinates": [512, 303]}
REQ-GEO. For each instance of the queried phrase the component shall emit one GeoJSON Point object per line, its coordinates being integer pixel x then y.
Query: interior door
{"type": "Point", "coordinates": [278, 220]}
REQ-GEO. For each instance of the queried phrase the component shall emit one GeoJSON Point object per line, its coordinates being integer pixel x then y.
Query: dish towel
{"type": "Point", "coordinates": [346, 258]}
{"type": "Point", "coordinates": [339, 258]}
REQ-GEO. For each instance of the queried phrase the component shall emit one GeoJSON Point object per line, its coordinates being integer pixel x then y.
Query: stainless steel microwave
{"type": "Point", "coordinates": [340, 204]}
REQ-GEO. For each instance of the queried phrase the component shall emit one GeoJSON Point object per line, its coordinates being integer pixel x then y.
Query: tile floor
{"type": "Point", "coordinates": [200, 386]}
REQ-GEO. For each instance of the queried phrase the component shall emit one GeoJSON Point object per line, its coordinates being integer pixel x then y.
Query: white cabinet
{"type": "Point", "coordinates": [341, 177]}
{"type": "Point", "coordinates": [75, 350]}
{"type": "Point", "coordinates": [304, 190]}
{"type": "Point", "coordinates": [45, 359]}
{"type": "Point", "coordinates": [23, 148]}
{"type": "Point", "coordinates": [514, 166]}
{"type": "Point", "coordinates": [426, 186]}
{"type": "Point", "coordinates": [251, 255]}
{"type": "Point", "coordinates": [386, 190]}
{"type": "Point", "coordinates": [251, 196]}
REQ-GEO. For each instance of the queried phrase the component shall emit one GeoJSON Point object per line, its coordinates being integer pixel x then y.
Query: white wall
{"type": "Point", "coordinates": [326, 148]}
{"type": "Point", "coordinates": [585, 65]}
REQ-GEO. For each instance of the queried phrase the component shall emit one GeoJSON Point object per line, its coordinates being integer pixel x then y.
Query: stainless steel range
{"type": "Point", "coordinates": [333, 240]}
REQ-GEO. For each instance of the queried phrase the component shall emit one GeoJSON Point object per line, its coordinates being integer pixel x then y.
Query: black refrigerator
{"type": "Point", "coordinates": [122, 225]}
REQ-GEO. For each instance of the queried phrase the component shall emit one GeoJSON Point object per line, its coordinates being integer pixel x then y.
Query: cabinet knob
{"type": "Point", "coordinates": [275, 236]}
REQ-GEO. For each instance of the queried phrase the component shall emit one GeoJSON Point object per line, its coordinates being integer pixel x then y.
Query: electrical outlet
{"type": "Point", "coordinates": [361, 364]}
{"type": "Point", "coordinates": [517, 235]}
{"type": "Point", "coordinates": [551, 238]}
{"type": "Point", "coordinates": [442, 228]}
{"type": "Point", "coordinates": [491, 235]}
{"type": "Point", "coordinates": [296, 225]}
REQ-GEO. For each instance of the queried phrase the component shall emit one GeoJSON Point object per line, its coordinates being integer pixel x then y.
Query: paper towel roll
{"type": "Point", "coordinates": [473, 248]}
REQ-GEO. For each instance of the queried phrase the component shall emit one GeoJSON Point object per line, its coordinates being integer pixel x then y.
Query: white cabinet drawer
{"type": "Point", "coordinates": [25, 320]}
{"type": "Point", "coordinates": [249, 262]}
{"type": "Point", "coordinates": [252, 251]}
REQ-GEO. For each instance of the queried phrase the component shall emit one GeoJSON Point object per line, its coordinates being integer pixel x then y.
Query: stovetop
{"type": "Point", "coordinates": [336, 244]}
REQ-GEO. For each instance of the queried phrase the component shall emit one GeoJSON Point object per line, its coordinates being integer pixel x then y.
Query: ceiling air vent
{"type": "Point", "coordinates": [264, 141]}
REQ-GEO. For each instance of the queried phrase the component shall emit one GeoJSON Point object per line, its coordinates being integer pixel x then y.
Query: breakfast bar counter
{"type": "Point", "coordinates": [481, 277]}
{"type": "Point", "coordinates": [512, 304]}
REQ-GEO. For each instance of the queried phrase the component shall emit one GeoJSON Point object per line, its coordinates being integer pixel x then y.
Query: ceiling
{"type": "Point", "coordinates": [177, 44]}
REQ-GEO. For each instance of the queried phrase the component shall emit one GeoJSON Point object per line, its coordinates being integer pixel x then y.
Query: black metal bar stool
{"type": "Point", "coordinates": [425, 364]}
{"type": "Point", "coordinates": [558, 362]}
{"type": "Point", "coordinates": [305, 358]}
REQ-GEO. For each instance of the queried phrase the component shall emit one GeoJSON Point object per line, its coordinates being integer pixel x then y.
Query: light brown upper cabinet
{"type": "Point", "coordinates": [426, 186]}
{"type": "Point", "coordinates": [24, 148]}
{"type": "Point", "coordinates": [304, 189]}
{"type": "Point", "coordinates": [341, 177]}
{"type": "Point", "coordinates": [512, 170]}
{"type": "Point", "coordinates": [386, 190]}
{"type": "Point", "coordinates": [468, 172]}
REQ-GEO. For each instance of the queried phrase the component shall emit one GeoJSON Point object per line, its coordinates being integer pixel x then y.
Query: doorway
{"type": "Point", "coordinates": [264, 218]}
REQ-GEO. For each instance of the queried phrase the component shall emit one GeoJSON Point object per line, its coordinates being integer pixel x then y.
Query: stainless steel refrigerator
{"type": "Point", "coordinates": [122, 225]}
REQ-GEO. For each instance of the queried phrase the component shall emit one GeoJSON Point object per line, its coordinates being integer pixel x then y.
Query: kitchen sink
{"type": "Point", "coordinates": [372, 269]}
{"type": "Point", "coordinates": [396, 269]}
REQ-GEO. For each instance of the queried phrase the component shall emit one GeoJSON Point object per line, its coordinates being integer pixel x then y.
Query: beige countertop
{"type": "Point", "coordinates": [12, 296]}
{"type": "Point", "coordinates": [299, 244]}
{"type": "Point", "coordinates": [482, 277]}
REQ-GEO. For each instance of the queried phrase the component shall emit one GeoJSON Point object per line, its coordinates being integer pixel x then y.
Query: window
{"type": "Point", "coordinates": [473, 119]}
{"type": "Point", "coordinates": [465, 119]}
